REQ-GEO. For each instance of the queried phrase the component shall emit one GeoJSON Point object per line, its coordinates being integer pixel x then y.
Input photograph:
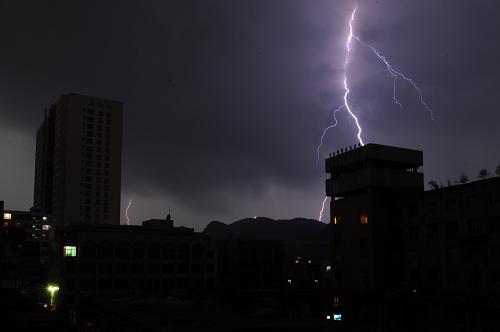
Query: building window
{"type": "Point", "coordinates": [450, 204]}
{"type": "Point", "coordinates": [363, 219]}
{"type": "Point", "coordinates": [336, 220]}
{"type": "Point", "coordinates": [473, 226]}
{"type": "Point", "coordinates": [363, 243]}
{"type": "Point", "coordinates": [413, 233]}
{"type": "Point", "coordinates": [7, 216]}
{"type": "Point", "coordinates": [69, 251]}
{"type": "Point", "coordinates": [412, 211]}
{"type": "Point", "coordinates": [432, 231]}
{"type": "Point", "coordinates": [495, 224]}
{"type": "Point", "coordinates": [451, 229]}
{"type": "Point", "coordinates": [495, 197]}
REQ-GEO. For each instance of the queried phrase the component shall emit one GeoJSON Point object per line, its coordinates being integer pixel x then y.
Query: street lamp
{"type": "Point", "coordinates": [52, 289]}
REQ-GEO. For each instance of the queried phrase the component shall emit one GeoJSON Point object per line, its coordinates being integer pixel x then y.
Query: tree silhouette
{"type": "Point", "coordinates": [433, 184]}
{"type": "Point", "coordinates": [463, 178]}
{"type": "Point", "coordinates": [483, 174]}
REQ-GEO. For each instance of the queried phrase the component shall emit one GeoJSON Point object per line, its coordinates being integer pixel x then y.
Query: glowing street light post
{"type": "Point", "coordinates": [52, 289]}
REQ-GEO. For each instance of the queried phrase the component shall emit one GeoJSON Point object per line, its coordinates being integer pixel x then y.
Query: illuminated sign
{"type": "Point", "coordinates": [69, 251]}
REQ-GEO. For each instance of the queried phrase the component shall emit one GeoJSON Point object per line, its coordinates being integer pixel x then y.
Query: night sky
{"type": "Point", "coordinates": [225, 101]}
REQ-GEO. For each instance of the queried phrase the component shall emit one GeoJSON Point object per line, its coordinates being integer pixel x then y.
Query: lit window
{"type": "Point", "coordinates": [45, 227]}
{"type": "Point", "coordinates": [297, 260]}
{"type": "Point", "coordinates": [337, 316]}
{"type": "Point", "coordinates": [336, 220]}
{"type": "Point", "coordinates": [44, 218]}
{"type": "Point", "coordinates": [289, 281]}
{"type": "Point", "coordinates": [69, 251]}
{"type": "Point", "coordinates": [328, 268]}
{"type": "Point", "coordinates": [363, 219]}
{"type": "Point", "coordinates": [7, 216]}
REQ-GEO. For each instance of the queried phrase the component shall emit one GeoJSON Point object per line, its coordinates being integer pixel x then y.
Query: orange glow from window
{"type": "Point", "coordinates": [336, 220]}
{"type": "Point", "coordinates": [363, 219]}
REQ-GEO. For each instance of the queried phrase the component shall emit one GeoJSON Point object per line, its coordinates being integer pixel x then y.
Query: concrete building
{"type": "Point", "coordinates": [24, 247]}
{"type": "Point", "coordinates": [454, 245]}
{"type": "Point", "coordinates": [404, 256]}
{"type": "Point", "coordinates": [368, 185]}
{"type": "Point", "coordinates": [78, 161]}
{"type": "Point", "coordinates": [102, 261]}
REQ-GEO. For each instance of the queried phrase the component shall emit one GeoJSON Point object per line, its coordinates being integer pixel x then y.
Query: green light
{"type": "Point", "coordinates": [52, 289]}
{"type": "Point", "coordinates": [69, 251]}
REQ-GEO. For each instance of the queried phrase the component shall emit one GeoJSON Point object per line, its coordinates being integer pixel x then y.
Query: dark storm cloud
{"type": "Point", "coordinates": [225, 100]}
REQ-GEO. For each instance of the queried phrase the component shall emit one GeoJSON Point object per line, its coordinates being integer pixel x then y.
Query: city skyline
{"type": "Point", "coordinates": [224, 104]}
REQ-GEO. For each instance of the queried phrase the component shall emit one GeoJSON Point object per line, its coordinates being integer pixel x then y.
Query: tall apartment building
{"type": "Point", "coordinates": [368, 186]}
{"type": "Point", "coordinates": [78, 161]}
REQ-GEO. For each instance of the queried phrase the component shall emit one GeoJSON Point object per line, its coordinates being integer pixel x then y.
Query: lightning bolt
{"type": "Point", "coordinates": [390, 69]}
{"type": "Point", "coordinates": [346, 85]}
{"type": "Point", "coordinates": [322, 209]}
{"type": "Point", "coordinates": [346, 92]}
{"type": "Point", "coordinates": [128, 207]}
{"type": "Point", "coordinates": [396, 74]}
{"type": "Point", "coordinates": [324, 132]}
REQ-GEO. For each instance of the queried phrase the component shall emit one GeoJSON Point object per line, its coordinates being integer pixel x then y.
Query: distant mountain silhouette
{"type": "Point", "coordinates": [302, 237]}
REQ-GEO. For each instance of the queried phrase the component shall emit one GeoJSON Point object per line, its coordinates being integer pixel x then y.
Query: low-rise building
{"type": "Point", "coordinates": [110, 260]}
{"type": "Point", "coordinates": [24, 247]}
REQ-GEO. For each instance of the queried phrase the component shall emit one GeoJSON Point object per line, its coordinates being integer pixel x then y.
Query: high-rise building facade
{"type": "Point", "coordinates": [78, 161]}
{"type": "Point", "coordinates": [368, 185]}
